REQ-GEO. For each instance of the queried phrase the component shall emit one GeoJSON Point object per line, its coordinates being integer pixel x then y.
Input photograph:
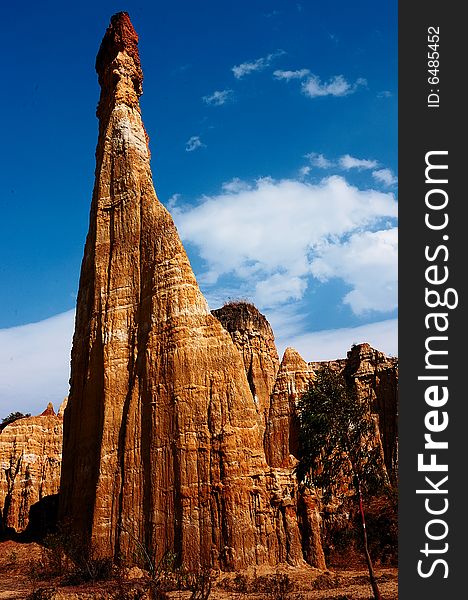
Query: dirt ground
{"type": "Point", "coordinates": [17, 562]}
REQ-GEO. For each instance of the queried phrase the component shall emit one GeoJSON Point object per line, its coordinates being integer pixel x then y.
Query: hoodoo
{"type": "Point", "coordinates": [163, 447]}
{"type": "Point", "coordinates": [30, 459]}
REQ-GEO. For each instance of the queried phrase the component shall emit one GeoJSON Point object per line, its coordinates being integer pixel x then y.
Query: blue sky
{"type": "Point", "coordinates": [273, 132]}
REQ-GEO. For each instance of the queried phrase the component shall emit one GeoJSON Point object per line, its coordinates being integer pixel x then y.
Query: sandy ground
{"type": "Point", "coordinates": [305, 583]}
{"type": "Point", "coordinates": [14, 561]}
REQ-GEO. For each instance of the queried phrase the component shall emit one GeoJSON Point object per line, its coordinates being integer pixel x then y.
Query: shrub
{"type": "Point", "coordinates": [200, 584]}
{"type": "Point", "coordinates": [277, 586]}
{"type": "Point", "coordinates": [69, 558]}
{"type": "Point", "coordinates": [12, 417]}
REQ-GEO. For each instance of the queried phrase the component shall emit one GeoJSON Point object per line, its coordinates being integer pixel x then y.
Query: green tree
{"type": "Point", "coordinates": [14, 416]}
{"type": "Point", "coordinates": [338, 446]}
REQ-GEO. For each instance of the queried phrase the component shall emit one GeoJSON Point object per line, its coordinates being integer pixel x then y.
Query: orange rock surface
{"type": "Point", "coordinates": [375, 378]}
{"type": "Point", "coordinates": [162, 443]}
{"type": "Point", "coordinates": [252, 334]}
{"type": "Point", "coordinates": [30, 459]}
{"type": "Point", "coordinates": [281, 436]}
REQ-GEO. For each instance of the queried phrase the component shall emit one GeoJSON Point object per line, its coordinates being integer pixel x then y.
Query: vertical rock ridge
{"type": "Point", "coordinates": [375, 377]}
{"type": "Point", "coordinates": [162, 443]}
{"type": "Point", "coordinates": [30, 459]}
{"type": "Point", "coordinates": [253, 337]}
{"type": "Point", "coordinates": [281, 435]}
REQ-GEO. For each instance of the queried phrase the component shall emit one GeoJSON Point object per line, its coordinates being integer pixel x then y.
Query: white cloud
{"type": "Point", "coordinates": [319, 160]}
{"type": "Point", "coordinates": [313, 87]}
{"type": "Point", "coordinates": [194, 143]}
{"type": "Point", "coordinates": [384, 94]}
{"type": "Point", "coordinates": [367, 261]}
{"type": "Point", "coordinates": [272, 235]}
{"type": "Point", "coordinates": [335, 343]}
{"type": "Point", "coordinates": [278, 289]}
{"type": "Point", "coordinates": [218, 98]}
{"type": "Point", "coordinates": [35, 364]}
{"type": "Point", "coordinates": [304, 171]}
{"type": "Point", "coordinates": [288, 320]}
{"type": "Point", "coordinates": [235, 185]}
{"type": "Point", "coordinates": [288, 75]}
{"type": "Point", "coordinates": [385, 176]}
{"type": "Point", "coordinates": [172, 202]}
{"type": "Point", "coordinates": [336, 86]}
{"type": "Point", "coordinates": [350, 162]}
{"type": "Point", "coordinates": [256, 65]}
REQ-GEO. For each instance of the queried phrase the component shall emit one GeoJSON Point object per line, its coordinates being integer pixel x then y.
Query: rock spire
{"type": "Point", "coordinates": [162, 443]}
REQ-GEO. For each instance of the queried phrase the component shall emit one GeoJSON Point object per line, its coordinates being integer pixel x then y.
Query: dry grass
{"type": "Point", "coordinates": [260, 583]}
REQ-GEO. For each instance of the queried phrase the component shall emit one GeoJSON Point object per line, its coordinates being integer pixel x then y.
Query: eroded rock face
{"type": "Point", "coordinates": [297, 528]}
{"type": "Point", "coordinates": [375, 376]}
{"type": "Point", "coordinates": [30, 460]}
{"type": "Point", "coordinates": [62, 407]}
{"type": "Point", "coordinates": [162, 443]}
{"type": "Point", "coordinates": [282, 431]}
{"type": "Point", "coordinates": [252, 334]}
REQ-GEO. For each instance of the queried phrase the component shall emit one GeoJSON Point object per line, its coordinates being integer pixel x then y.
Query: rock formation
{"type": "Point", "coordinates": [30, 459]}
{"type": "Point", "coordinates": [163, 447]}
{"type": "Point", "coordinates": [375, 379]}
{"type": "Point", "coordinates": [62, 407]}
{"type": "Point", "coordinates": [375, 376]}
{"type": "Point", "coordinates": [253, 337]}
{"type": "Point", "coordinates": [281, 436]}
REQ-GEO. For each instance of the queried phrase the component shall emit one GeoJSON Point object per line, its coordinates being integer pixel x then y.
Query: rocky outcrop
{"type": "Point", "coordinates": [335, 365]}
{"type": "Point", "coordinates": [298, 526]}
{"type": "Point", "coordinates": [375, 377]}
{"type": "Point", "coordinates": [253, 337]}
{"type": "Point", "coordinates": [30, 460]}
{"type": "Point", "coordinates": [163, 448]}
{"type": "Point", "coordinates": [62, 407]}
{"type": "Point", "coordinates": [282, 431]}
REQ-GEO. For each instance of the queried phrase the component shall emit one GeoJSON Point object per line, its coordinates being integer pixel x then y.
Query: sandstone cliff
{"type": "Point", "coordinates": [253, 337]}
{"type": "Point", "coordinates": [281, 436]}
{"type": "Point", "coordinates": [30, 460]}
{"type": "Point", "coordinates": [162, 442]}
{"type": "Point", "coordinates": [375, 378]}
